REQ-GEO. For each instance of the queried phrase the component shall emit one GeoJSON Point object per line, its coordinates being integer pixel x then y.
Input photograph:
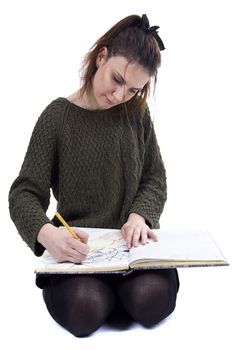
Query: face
{"type": "Point", "coordinates": [116, 81]}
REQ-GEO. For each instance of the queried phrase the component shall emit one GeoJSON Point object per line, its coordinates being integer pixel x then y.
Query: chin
{"type": "Point", "coordinates": [104, 103]}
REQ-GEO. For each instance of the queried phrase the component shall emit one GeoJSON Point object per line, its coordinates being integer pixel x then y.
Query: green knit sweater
{"type": "Point", "coordinates": [101, 165]}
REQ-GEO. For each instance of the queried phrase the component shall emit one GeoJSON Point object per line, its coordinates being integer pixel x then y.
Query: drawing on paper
{"type": "Point", "coordinates": [103, 249]}
{"type": "Point", "coordinates": [106, 248]}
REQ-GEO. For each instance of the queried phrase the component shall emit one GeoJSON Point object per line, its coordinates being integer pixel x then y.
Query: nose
{"type": "Point", "coordinates": [119, 93]}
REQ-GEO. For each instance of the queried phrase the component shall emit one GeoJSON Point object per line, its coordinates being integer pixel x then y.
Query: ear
{"type": "Point", "coordinates": [102, 56]}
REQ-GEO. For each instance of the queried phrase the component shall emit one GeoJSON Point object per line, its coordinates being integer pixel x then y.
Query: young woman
{"type": "Point", "coordinates": [98, 152]}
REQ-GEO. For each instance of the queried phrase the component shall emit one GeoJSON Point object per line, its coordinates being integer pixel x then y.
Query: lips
{"type": "Point", "coordinates": [109, 101]}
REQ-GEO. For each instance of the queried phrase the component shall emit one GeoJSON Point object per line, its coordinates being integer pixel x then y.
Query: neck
{"type": "Point", "coordinates": [85, 100]}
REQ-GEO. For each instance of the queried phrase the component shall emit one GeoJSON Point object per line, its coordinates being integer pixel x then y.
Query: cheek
{"type": "Point", "coordinates": [100, 82]}
{"type": "Point", "coordinates": [106, 83]}
{"type": "Point", "coordinates": [128, 96]}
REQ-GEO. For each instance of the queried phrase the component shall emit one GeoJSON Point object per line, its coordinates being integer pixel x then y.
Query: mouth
{"type": "Point", "coordinates": [109, 102]}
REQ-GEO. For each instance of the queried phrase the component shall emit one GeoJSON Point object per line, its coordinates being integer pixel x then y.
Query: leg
{"type": "Point", "coordinates": [149, 296]}
{"type": "Point", "coordinates": [79, 303]}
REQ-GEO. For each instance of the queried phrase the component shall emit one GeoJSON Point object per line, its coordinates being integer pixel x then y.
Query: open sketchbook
{"type": "Point", "coordinates": [108, 252]}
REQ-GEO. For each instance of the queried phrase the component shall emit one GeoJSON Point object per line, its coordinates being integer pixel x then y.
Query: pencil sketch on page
{"type": "Point", "coordinates": [104, 248]}
{"type": "Point", "coordinates": [107, 248]}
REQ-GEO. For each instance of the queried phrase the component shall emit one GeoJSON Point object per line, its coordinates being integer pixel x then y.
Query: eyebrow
{"type": "Point", "coordinates": [120, 77]}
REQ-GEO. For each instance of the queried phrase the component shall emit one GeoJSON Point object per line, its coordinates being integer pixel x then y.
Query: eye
{"type": "Point", "coordinates": [117, 80]}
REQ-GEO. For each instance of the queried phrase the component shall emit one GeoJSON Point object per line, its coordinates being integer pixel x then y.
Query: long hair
{"type": "Point", "coordinates": [126, 38]}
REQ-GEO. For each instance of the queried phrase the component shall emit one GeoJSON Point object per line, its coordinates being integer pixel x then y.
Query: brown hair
{"type": "Point", "coordinates": [126, 38]}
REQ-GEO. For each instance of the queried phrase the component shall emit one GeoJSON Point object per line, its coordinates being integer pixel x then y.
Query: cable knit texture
{"type": "Point", "coordinates": [101, 165]}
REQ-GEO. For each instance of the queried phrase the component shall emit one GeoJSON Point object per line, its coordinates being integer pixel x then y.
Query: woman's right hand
{"type": "Point", "coordinates": [62, 245]}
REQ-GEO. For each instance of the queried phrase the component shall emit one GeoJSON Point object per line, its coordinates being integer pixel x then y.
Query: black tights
{"type": "Point", "coordinates": [82, 303]}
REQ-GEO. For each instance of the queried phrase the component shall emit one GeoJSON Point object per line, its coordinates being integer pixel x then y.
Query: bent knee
{"type": "Point", "coordinates": [81, 316]}
{"type": "Point", "coordinates": [153, 301]}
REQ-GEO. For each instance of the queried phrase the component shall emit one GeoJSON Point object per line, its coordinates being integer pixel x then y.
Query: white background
{"type": "Point", "coordinates": [42, 45]}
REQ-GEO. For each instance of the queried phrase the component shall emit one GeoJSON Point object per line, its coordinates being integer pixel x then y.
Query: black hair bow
{"type": "Point", "coordinates": [152, 30]}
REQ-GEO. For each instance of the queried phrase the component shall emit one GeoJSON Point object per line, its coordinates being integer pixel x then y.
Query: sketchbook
{"type": "Point", "coordinates": [109, 253]}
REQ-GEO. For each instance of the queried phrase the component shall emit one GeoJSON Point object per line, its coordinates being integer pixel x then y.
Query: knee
{"type": "Point", "coordinates": [80, 315]}
{"type": "Point", "coordinates": [88, 316]}
{"type": "Point", "coordinates": [152, 301]}
{"type": "Point", "coordinates": [159, 305]}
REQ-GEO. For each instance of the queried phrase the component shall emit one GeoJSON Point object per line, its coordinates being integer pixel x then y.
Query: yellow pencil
{"type": "Point", "coordinates": [60, 218]}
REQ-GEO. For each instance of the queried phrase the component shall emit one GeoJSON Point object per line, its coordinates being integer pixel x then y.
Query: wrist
{"type": "Point", "coordinates": [135, 216]}
{"type": "Point", "coordinates": [45, 230]}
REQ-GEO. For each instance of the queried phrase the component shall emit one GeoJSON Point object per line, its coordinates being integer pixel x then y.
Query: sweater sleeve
{"type": "Point", "coordinates": [152, 191]}
{"type": "Point", "coordinates": [29, 195]}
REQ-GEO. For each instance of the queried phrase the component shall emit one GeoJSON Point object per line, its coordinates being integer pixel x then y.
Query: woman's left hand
{"type": "Point", "coordinates": [135, 230]}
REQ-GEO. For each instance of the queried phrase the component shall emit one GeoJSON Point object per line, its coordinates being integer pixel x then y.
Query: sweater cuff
{"type": "Point", "coordinates": [37, 247]}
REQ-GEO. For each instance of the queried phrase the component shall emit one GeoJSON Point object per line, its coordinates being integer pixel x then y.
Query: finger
{"type": "Point", "coordinates": [82, 235]}
{"type": "Point", "coordinates": [144, 235]}
{"type": "Point", "coordinates": [72, 248]}
{"type": "Point", "coordinates": [79, 246]}
{"type": "Point", "coordinates": [77, 256]}
{"type": "Point", "coordinates": [127, 233]}
{"type": "Point", "coordinates": [74, 255]}
{"type": "Point", "coordinates": [136, 236]}
{"type": "Point", "coordinates": [69, 255]}
{"type": "Point", "coordinates": [73, 258]}
{"type": "Point", "coordinates": [152, 234]}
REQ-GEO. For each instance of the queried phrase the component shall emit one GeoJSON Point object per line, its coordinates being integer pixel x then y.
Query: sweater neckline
{"type": "Point", "coordinates": [116, 108]}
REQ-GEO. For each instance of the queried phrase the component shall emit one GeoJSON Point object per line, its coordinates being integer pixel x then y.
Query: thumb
{"type": "Point", "coordinates": [81, 234]}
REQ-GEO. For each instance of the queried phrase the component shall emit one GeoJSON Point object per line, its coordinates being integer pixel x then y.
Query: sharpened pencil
{"type": "Point", "coordinates": [60, 218]}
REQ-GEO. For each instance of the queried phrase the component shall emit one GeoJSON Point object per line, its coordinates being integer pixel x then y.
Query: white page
{"type": "Point", "coordinates": [184, 245]}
